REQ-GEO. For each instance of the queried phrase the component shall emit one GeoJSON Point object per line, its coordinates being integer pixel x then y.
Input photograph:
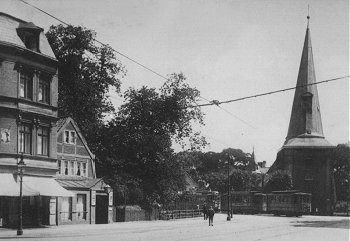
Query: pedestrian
{"type": "Point", "coordinates": [211, 213]}
{"type": "Point", "coordinates": [205, 211]}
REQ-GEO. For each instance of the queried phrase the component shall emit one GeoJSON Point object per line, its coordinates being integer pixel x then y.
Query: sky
{"type": "Point", "coordinates": [226, 49]}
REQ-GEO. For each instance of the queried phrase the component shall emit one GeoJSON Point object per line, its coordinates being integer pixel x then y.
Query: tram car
{"type": "Point", "coordinates": [289, 203]}
{"type": "Point", "coordinates": [188, 201]}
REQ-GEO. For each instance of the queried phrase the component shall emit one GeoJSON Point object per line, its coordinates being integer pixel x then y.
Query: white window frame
{"type": "Point", "coordinates": [72, 136]}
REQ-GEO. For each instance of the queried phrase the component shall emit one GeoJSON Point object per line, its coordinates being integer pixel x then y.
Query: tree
{"type": "Point", "coordinates": [138, 140]}
{"type": "Point", "coordinates": [240, 180]}
{"type": "Point", "coordinates": [86, 74]}
{"type": "Point", "coordinates": [342, 171]}
{"type": "Point", "coordinates": [279, 180]}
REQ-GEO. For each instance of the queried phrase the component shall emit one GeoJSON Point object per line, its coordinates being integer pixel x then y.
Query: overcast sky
{"type": "Point", "coordinates": [227, 50]}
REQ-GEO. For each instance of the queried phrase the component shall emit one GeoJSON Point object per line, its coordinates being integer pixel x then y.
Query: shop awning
{"type": "Point", "coordinates": [10, 188]}
{"type": "Point", "coordinates": [46, 186]}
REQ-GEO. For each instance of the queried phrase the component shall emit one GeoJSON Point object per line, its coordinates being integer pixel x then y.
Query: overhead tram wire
{"type": "Point", "coordinates": [116, 51]}
{"type": "Point", "coordinates": [132, 60]}
{"type": "Point", "coordinates": [216, 102]}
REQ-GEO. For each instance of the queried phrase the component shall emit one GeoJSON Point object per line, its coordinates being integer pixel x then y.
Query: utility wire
{"type": "Point", "coordinates": [106, 45]}
{"type": "Point", "coordinates": [217, 103]}
{"type": "Point", "coordinates": [213, 102]}
{"type": "Point", "coordinates": [132, 60]}
{"type": "Point", "coordinates": [118, 52]}
{"type": "Point", "coordinates": [233, 115]}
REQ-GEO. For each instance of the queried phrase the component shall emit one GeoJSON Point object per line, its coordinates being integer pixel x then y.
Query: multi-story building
{"type": "Point", "coordinates": [28, 116]}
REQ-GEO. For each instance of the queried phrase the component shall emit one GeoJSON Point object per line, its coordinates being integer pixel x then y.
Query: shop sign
{"type": "Point", "coordinates": [93, 198]}
{"type": "Point", "coordinates": [110, 199]}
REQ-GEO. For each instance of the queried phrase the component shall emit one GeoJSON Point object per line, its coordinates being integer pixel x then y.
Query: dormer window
{"type": "Point", "coordinates": [29, 34]}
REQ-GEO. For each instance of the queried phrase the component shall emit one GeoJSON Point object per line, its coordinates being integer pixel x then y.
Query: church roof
{"type": "Point", "coordinates": [305, 126]}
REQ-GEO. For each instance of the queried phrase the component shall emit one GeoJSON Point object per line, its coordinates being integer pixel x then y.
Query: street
{"type": "Point", "coordinates": [241, 227]}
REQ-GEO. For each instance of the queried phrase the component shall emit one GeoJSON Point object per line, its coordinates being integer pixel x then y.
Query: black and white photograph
{"type": "Point", "coordinates": [174, 120]}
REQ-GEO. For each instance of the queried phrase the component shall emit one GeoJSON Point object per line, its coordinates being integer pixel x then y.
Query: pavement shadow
{"type": "Point", "coordinates": [343, 224]}
{"type": "Point", "coordinates": [28, 227]}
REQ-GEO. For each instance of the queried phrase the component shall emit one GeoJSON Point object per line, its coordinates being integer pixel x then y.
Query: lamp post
{"type": "Point", "coordinates": [228, 188]}
{"type": "Point", "coordinates": [20, 165]}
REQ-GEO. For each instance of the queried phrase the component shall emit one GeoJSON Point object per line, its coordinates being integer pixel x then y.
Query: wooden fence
{"type": "Point", "coordinates": [177, 214]}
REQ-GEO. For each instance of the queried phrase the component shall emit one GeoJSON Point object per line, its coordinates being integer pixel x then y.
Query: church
{"type": "Point", "coordinates": [306, 155]}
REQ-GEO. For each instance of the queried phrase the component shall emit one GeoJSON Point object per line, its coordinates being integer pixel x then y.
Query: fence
{"type": "Point", "coordinates": [134, 213]}
{"type": "Point", "coordinates": [177, 214]}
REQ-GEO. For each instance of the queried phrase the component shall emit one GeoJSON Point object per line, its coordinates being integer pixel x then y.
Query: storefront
{"type": "Point", "coordinates": [92, 202]}
{"type": "Point", "coordinates": [39, 202]}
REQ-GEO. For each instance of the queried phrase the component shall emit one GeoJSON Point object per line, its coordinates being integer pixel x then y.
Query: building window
{"type": "Point", "coordinates": [83, 170]}
{"type": "Point", "coordinates": [66, 168]}
{"type": "Point", "coordinates": [44, 90]}
{"type": "Point", "coordinates": [66, 209]}
{"type": "Point", "coordinates": [43, 141]}
{"type": "Point", "coordinates": [81, 207]}
{"type": "Point", "coordinates": [25, 139]}
{"type": "Point", "coordinates": [26, 85]}
{"type": "Point", "coordinates": [69, 137]}
{"type": "Point", "coordinates": [78, 173]}
{"type": "Point", "coordinates": [31, 41]}
{"type": "Point", "coordinates": [59, 163]}
{"type": "Point", "coordinates": [71, 168]}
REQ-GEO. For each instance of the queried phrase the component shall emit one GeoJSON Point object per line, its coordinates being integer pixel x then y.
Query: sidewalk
{"type": "Point", "coordinates": [70, 230]}
{"type": "Point", "coordinates": [66, 230]}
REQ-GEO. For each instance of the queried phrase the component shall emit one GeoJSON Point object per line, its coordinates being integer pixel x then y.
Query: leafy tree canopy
{"type": "Point", "coordinates": [86, 73]}
{"type": "Point", "coordinates": [138, 140]}
{"type": "Point", "coordinates": [342, 171]}
{"type": "Point", "coordinates": [279, 180]}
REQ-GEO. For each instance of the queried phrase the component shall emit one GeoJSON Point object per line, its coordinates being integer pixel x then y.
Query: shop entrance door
{"type": "Point", "coordinates": [101, 209]}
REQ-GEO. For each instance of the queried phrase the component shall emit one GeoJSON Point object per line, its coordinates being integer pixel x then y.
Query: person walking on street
{"type": "Point", "coordinates": [211, 213]}
{"type": "Point", "coordinates": [205, 211]}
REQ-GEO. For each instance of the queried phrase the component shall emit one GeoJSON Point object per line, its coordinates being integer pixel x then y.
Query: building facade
{"type": "Point", "coordinates": [93, 199]}
{"type": "Point", "coordinates": [28, 115]}
{"type": "Point", "coordinates": [59, 180]}
{"type": "Point", "coordinates": [306, 155]}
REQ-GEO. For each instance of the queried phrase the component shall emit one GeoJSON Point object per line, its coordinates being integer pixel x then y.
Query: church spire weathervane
{"type": "Point", "coordinates": [308, 15]}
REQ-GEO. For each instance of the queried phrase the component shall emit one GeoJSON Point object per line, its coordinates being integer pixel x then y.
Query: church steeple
{"type": "Point", "coordinates": [305, 119]}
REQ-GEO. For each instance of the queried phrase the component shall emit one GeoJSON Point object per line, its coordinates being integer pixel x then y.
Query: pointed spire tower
{"type": "Point", "coordinates": [305, 126]}
{"type": "Point", "coordinates": [306, 155]}
{"type": "Point", "coordinates": [253, 166]}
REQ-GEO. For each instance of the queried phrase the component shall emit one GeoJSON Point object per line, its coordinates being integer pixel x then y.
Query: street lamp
{"type": "Point", "coordinates": [108, 189]}
{"type": "Point", "coordinates": [20, 165]}
{"type": "Point", "coordinates": [229, 188]}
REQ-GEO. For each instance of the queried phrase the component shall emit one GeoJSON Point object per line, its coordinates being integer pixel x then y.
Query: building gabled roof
{"type": "Point", "coordinates": [62, 123]}
{"type": "Point", "coordinates": [190, 182]}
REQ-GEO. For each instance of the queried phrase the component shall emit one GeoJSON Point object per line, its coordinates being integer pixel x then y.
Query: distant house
{"type": "Point", "coordinates": [262, 168]}
{"type": "Point", "coordinates": [76, 172]}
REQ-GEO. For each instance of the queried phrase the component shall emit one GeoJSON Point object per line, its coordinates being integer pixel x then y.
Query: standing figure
{"type": "Point", "coordinates": [205, 211]}
{"type": "Point", "coordinates": [211, 213]}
